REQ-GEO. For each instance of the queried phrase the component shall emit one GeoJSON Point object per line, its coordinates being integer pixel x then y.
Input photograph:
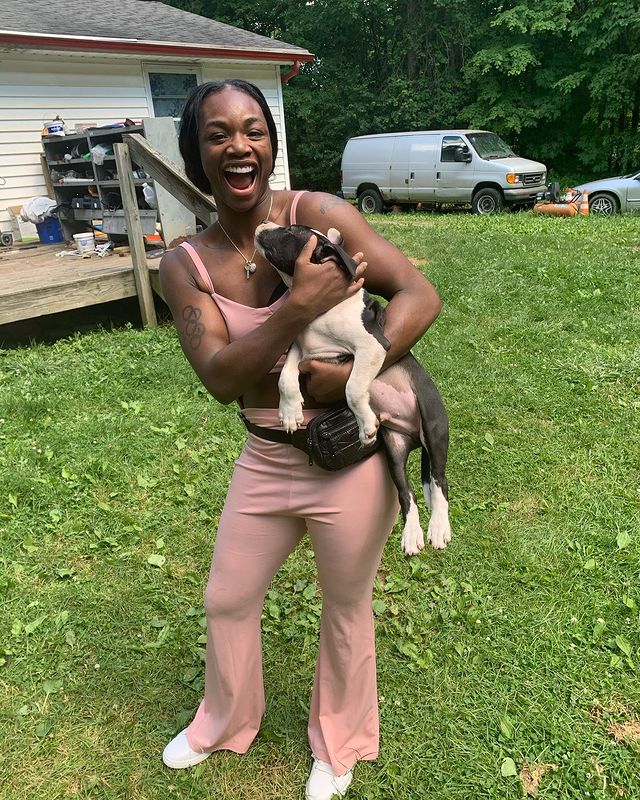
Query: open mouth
{"type": "Point", "coordinates": [240, 178]}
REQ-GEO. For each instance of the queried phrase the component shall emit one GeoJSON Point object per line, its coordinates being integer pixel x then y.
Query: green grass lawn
{"type": "Point", "coordinates": [515, 649]}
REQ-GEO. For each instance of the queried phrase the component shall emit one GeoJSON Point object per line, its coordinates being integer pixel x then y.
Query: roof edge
{"type": "Point", "coordinates": [146, 47]}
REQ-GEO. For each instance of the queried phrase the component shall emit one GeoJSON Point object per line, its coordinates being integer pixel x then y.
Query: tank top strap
{"type": "Point", "coordinates": [294, 206]}
{"type": "Point", "coordinates": [199, 265]}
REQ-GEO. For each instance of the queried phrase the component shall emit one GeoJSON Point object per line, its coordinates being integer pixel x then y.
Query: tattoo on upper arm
{"type": "Point", "coordinates": [330, 202]}
{"type": "Point", "coordinates": [193, 328]}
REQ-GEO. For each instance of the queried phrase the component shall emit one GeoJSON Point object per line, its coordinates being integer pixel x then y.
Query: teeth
{"type": "Point", "coordinates": [241, 170]}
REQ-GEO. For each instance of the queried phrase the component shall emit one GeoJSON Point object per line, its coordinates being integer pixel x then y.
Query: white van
{"type": "Point", "coordinates": [433, 167]}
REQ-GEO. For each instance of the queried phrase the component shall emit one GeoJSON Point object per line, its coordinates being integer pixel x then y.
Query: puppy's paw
{"type": "Point", "coordinates": [412, 539]}
{"type": "Point", "coordinates": [368, 430]}
{"type": "Point", "coordinates": [412, 534]}
{"type": "Point", "coordinates": [439, 533]}
{"type": "Point", "coordinates": [291, 416]}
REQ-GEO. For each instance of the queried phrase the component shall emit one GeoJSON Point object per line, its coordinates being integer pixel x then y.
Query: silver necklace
{"type": "Point", "coordinates": [249, 263]}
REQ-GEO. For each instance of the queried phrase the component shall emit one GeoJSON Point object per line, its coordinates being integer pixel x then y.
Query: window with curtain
{"type": "Point", "coordinates": [169, 91]}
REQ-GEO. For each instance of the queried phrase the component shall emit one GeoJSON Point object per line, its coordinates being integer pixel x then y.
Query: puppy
{"type": "Point", "coordinates": [403, 399]}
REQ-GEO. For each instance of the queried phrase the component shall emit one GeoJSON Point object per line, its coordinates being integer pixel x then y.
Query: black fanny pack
{"type": "Point", "coordinates": [330, 439]}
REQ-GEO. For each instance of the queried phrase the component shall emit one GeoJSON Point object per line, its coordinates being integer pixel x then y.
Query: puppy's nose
{"type": "Point", "coordinates": [265, 226]}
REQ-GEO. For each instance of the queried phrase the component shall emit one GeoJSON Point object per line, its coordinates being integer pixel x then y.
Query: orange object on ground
{"type": "Point", "coordinates": [556, 209]}
{"type": "Point", "coordinates": [584, 203]}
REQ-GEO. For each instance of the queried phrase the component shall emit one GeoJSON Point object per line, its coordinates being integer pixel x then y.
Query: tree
{"type": "Point", "coordinates": [559, 79]}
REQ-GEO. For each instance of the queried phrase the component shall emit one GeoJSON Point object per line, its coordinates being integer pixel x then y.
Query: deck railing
{"type": "Point", "coordinates": [136, 148]}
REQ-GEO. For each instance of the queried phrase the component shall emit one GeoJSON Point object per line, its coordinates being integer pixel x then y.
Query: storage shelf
{"type": "Point", "coordinates": [87, 213]}
{"type": "Point", "coordinates": [72, 137]}
{"type": "Point", "coordinates": [98, 133]}
{"type": "Point", "coordinates": [101, 180]}
{"type": "Point", "coordinates": [70, 161]}
{"type": "Point", "coordinates": [136, 181]}
{"type": "Point", "coordinates": [94, 133]}
{"type": "Point", "coordinates": [78, 182]}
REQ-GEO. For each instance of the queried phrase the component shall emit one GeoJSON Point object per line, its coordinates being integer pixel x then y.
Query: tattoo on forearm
{"type": "Point", "coordinates": [193, 328]}
{"type": "Point", "coordinates": [330, 202]}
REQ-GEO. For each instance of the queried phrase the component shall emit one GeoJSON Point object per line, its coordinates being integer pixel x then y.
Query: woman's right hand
{"type": "Point", "coordinates": [319, 287]}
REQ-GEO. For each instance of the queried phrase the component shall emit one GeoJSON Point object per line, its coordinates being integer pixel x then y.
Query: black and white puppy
{"type": "Point", "coordinates": [403, 399]}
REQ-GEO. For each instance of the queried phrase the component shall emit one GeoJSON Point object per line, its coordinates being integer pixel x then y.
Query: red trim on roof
{"type": "Point", "coordinates": [37, 40]}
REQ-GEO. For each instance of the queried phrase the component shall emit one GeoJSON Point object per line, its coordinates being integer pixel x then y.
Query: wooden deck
{"type": "Point", "coordinates": [36, 281]}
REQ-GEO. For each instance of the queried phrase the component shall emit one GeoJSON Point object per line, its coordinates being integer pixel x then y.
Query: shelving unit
{"type": "Point", "coordinates": [88, 192]}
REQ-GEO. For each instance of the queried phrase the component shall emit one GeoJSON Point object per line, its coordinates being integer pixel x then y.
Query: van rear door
{"type": "Point", "coordinates": [454, 179]}
{"type": "Point", "coordinates": [399, 168]}
{"type": "Point", "coordinates": [423, 156]}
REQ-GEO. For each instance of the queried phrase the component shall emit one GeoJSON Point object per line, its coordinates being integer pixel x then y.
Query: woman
{"type": "Point", "coordinates": [235, 321]}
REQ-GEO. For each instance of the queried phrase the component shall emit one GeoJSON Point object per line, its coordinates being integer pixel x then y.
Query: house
{"type": "Point", "coordinates": [88, 62]}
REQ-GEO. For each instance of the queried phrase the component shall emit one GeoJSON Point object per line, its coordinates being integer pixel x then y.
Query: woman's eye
{"type": "Point", "coordinates": [217, 137]}
{"type": "Point", "coordinates": [256, 134]}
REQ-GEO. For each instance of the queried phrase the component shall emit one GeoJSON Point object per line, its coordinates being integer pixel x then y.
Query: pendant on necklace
{"type": "Point", "coordinates": [249, 268]}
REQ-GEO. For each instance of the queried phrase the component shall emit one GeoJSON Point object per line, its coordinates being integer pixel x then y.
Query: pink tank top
{"type": "Point", "coordinates": [241, 319]}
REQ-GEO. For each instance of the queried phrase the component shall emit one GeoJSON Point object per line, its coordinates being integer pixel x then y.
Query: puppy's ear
{"type": "Point", "coordinates": [334, 235]}
{"type": "Point", "coordinates": [328, 251]}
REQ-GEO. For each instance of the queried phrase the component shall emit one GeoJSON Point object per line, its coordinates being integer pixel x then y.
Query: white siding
{"type": "Point", "coordinates": [80, 88]}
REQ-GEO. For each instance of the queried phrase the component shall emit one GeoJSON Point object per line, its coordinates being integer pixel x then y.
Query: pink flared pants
{"type": "Point", "coordinates": [273, 499]}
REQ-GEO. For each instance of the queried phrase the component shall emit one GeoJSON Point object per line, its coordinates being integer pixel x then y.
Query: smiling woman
{"type": "Point", "coordinates": [189, 129]}
{"type": "Point", "coordinates": [235, 319]}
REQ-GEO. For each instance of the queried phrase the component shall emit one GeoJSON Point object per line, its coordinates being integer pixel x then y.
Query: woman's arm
{"type": "Point", "coordinates": [413, 302]}
{"type": "Point", "coordinates": [229, 369]}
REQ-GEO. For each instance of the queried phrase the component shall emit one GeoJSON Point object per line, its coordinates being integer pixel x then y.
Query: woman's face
{"type": "Point", "coordinates": [235, 148]}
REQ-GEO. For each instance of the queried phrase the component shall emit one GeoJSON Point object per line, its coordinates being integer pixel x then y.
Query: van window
{"type": "Point", "coordinates": [450, 145]}
{"type": "Point", "coordinates": [489, 145]}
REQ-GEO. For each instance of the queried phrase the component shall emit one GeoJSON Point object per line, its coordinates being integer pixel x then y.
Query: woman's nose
{"type": "Point", "coordinates": [238, 143]}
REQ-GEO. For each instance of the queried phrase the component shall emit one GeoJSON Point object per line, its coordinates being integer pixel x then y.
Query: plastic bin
{"type": "Point", "coordinates": [49, 231]}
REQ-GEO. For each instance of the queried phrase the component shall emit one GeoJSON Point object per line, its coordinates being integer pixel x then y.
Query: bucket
{"type": "Point", "coordinates": [49, 231]}
{"type": "Point", "coordinates": [55, 128]}
{"type": "Point", "coordinates": [85, 243]}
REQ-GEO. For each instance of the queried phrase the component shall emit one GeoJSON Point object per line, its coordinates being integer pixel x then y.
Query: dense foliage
{"type": "Point", "coordinates": [558, 79]}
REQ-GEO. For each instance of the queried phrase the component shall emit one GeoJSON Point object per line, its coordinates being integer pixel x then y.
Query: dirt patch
{"type": "Point", "coordinates": [532, 774]}
{"type": "Point", "coordinates": [419, 262]}
{"type": "Point", "coordinates": [600, 712]}
{"type": "Point", "coordinates": [625, 731]}
{"type": "Point", "coordinates": [526, 506]}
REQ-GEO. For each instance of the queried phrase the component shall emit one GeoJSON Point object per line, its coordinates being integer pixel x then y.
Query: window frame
{"type": "Point", "coordinates": [451, 136]}
{"type": "Point", "coordinates": [172, 69]}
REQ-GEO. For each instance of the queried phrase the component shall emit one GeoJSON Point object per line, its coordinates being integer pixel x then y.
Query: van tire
{"type": "Point", "coordinates": [487, 201]}
{"type": "Point", "coordinates": [370, 202]}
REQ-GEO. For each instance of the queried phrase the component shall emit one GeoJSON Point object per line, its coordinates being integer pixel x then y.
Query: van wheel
{"type": "Point", "coordinates": [370, 202]}
{"type": "Point", "coordinates": [487, 201]}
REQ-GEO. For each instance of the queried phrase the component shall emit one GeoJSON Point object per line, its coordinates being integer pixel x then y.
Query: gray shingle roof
{"type": "Point", "coordinates": [136, 20]}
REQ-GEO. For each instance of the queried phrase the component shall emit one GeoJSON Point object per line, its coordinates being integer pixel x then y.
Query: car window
{"type": "Point", "coordinates": [449, 146]}
{"type": "Point", "coordinates": [489, 145]}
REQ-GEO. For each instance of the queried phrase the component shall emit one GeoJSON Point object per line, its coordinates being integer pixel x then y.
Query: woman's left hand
{"type": "Point", "coordinates": [325, 382]}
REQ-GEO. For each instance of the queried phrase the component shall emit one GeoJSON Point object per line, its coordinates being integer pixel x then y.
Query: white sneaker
{"type": "Point", "coordinates": [323, 784]}
{"type": "Point", "coordinates": [177, 754]}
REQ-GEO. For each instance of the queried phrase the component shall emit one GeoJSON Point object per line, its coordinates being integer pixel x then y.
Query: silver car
{"type": "Point", "coordinates": [611, 195]}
